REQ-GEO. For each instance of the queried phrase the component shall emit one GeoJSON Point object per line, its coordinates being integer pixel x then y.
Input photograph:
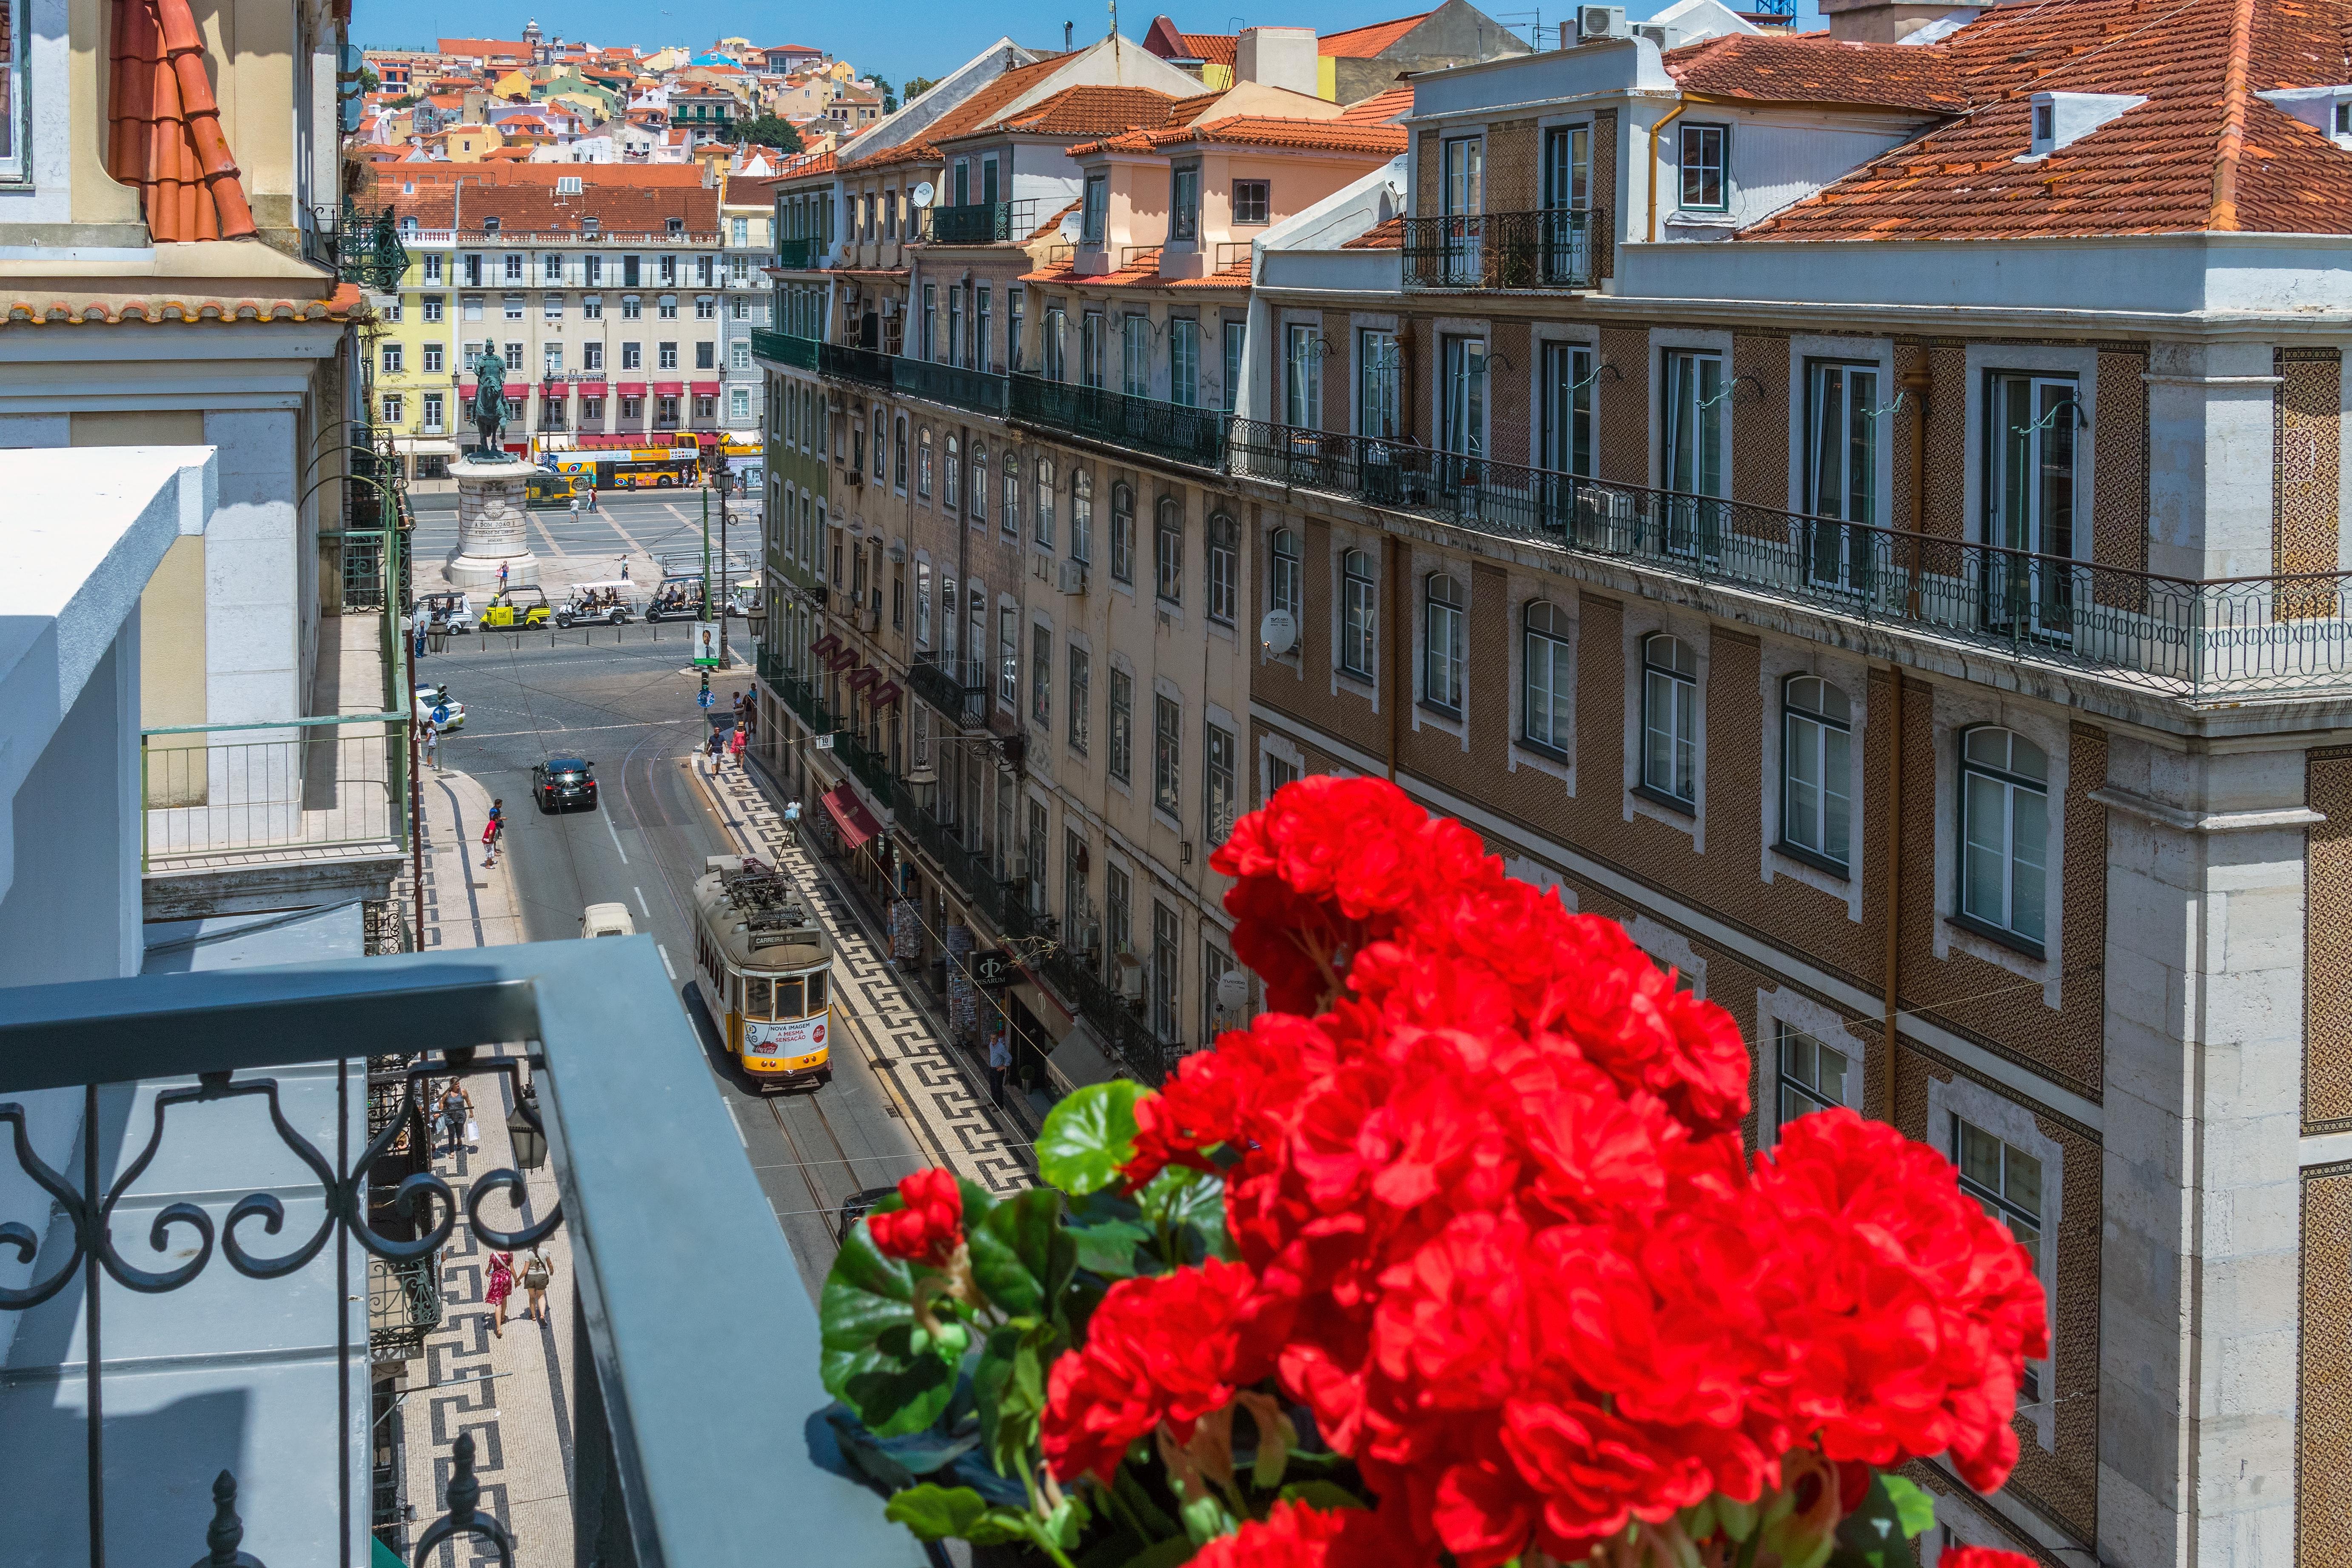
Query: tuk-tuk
{"type": "Point", "coordinates": [614, 602]}
{"type": "Point", "coordinates": [676, 599]}
{"type": "Point", "coordinates": [445, 612]}
{"type": "Point", "coordinates": [542, 490]}
{"type": "Point", "coordinates": [524, 605]}
{"type": "Point", "coordinates": [743, 599]}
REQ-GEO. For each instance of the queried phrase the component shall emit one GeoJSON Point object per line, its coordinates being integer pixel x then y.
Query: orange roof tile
{"type": "Point", "coordinates": [1389, 235]}
{"type": "Point", "coordinates": [1210, 49]}
{"type": "Point", "coordinates": [527, 206]}
{"type": "Point", "coordinates": [1380, 108]}
{"type": "Point", "coordinates": [165, 132]}
{"type": "Point", "coordinates": [2203, 153]}
{"type": "Point", "coordinates": [1812, 68]}
{"type": "Point", "coordinates": [344, 304]}
{"type": "Point", "coordinates": [1365, 42]}
{"type": "Point", "coordinates": [976, 110]}
{"type": "Point", "coordinates": [1185, 111]}
{"type": "Point", "coordinates": [1089, 112]}
{"type": "Point", "coordinates": [1261, 131]}
{"type": "Point", "coordinates": [485, 48]}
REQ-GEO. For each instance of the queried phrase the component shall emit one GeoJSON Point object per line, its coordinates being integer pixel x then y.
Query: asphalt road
{"type": "Point", "coordinates": [630, 709]}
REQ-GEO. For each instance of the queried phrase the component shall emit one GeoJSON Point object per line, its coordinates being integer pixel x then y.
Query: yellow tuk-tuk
{"type": "Point", "coordinates": [520, 606]}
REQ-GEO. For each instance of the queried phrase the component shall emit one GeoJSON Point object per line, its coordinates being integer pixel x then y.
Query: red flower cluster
{"type": "Point", "coordinates": [1497, 1231]}
{"type": "Point", "coordinates": [930, 1227]}
{"type": "Point", "coordinates": [1292, 1536]}
{"type": "Point", "coordinates": [1972, 1557]}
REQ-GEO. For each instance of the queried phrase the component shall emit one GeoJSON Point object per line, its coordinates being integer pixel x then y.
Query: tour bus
{"type": "Point", "coordinates": [765, 967]}
{"type": "Point", "coordinates": [630, 468]}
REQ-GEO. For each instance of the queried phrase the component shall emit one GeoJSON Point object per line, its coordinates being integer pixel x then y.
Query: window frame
{"type": "Point", "coordinates": [1445, 643]}
{"type": "Point", "coordinates": [1168, 757]}
{"type": "Point", "coordinates": [2015, 784]}
{"type": "Point", "coordinates": [1557, 662]}
{"type": "Point", "coordinates": [1120, 710]}
{"type": "Point", "coordinates": [1223, 568]}
{"type": "Point", "coordinates": [1790, 1042]}
{"type": "Point", "coordinates": [1079, 664]}
{"type": "Point", "coordinates": [1286, 566]}
{"type": "Point", "coordinates": [1665, 682]}
{"type": "Point", "coordinates": [1712, 141]}
{"type": "Point", "coordinates": [1167, 551]}
{"type": "Point", "coordinates": [1122, 532]}
{"type": "Point", "coordinates": [1828, 738]}
{"type": "Point", "coordinates": [1219, 783]}
{"type": "Point", "coordinates": [1253, 197]}
{"type": "Point", "coordinates": [1377, 384]}
{"type": "Point", "coordinates": [1840, 395]}
{"type": "Point", "coordinates": [1359, 615]}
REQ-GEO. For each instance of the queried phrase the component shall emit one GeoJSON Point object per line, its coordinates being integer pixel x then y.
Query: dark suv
{"type": "Point", "coordinates": [559, 781]}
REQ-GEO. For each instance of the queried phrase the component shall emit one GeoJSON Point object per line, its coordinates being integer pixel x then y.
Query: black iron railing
{"type": "Point", "coordinates": [871, 764]}
{"type": "Point", "coordinates": [978, 391]}
{"type": "Point", "coordinates": [1500, 250]}
{"type": "Point", "coordinates": [956, 688]}
{"type": "Point", "coordinates": [784, 348]}
{"type": "Point", "coordinates": [1073, 973]}
{"type": "Point", "coordinates": [983, 223]}
{"type": "Point", "coordinates": [367, 248]}
{"type": "Point", "coordinates": [845, 362]}
{"type": "Point", "coordinates": [1166, 430]}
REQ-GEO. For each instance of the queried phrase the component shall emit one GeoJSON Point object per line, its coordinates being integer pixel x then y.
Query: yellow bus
{"type": "Point", "coordinates": [765, 966]}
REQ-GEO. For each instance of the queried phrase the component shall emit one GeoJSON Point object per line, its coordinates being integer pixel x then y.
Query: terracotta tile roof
{"type": "Point", "coordinates": [2203, 153]}
{"type": "Point", "coordinates": [1380, 108]}
{"type": "Point", "coordinates": [1210, 49]}
{"type": "Point", "coordinates": [1812, 67]}
{"type": "Point", "coordinates": [1365, 42]}
{"type": "Point", "coordinates": [1185, 111]}
{"type": "Point", "coordinates": [533, 207]}
{"type": "Point", "coordinates": [974, 112]}
{"type": "Point", "coordinates": [1234, 274]}
{"type": "Point", "coordinates": [1389, 235]}
{"type": "Point", "coordinates": [635, 175]}
{"type": "Point", "coordinates": [803, 168]}
{"type": "Point", "coordinates": [1089, 112]}
{"type": "Point", "coordinates": [481, 48]}
{"type": "Point", "coordinates": [1055, 222]}
{"type": "Point", "coordinates": [165, 132]}
{"type": "Point", "coordinates": [344, 304]}
{"type": "Point", "coordinates": [1261, 131]}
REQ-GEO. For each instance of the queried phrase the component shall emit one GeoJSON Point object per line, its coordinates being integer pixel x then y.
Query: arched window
{"type": "Point", "coordinates": [1122, 534]}
{"type": "Point", "coordinates": [1225, 567]}
{"type": "Point", "coordinates": [1816, 761]}
{"type": "Point", "coordinates": [954, 472]}
{"type": "Point", "coordinates": [1357, 622]}
{"type": "Point", "coordinates": [899, 454]}
{"type": "Point", "coordinates": [923, 462]}
{"type": "Point", "coordinates": [1544, 676]}
{"type": "Point", "coordinates": [980, 481]}
{"type": "Point", "coordinates": [2004, 833]}
{"type": "Point", "coordinates": [1044, 505]}
{"type": "Point", "coordinates": [1082, 515]}
{"type": "Point", "coordinates": [1168, 550]}
{"type": "Point", "coordinates": [1444, 647]}
{"type": "Point", "coordinates": [1282, 585]}
{"type": "Point", "coordinates": [1670, 719]}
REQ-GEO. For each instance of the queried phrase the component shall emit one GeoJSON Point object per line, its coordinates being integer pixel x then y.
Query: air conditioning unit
{"type": "Point", "coordinates": [870, 620]}
{"type": "Point", "coordinates": [1665, 38]}
{"type": "Point", "coordinates": [1601, 22]}
{"type": "Point", "coordinates": [853, 476]}
{"type": "Point", "coordinates": [1126, 978]}
{"type": "Point", "coordinates": [1073, 577]}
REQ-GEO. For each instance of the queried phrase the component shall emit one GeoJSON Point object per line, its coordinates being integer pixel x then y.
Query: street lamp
{"type": "Point", "coordinates": [529, 1142]}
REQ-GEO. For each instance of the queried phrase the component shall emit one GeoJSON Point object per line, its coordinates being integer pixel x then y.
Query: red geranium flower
{"type": "Point", "coordinates": [930, 1227]}
{"type": "Point", "coordinates": [1292, 1536]}
{"type": "Point", "coordinates": [1979, 1557]}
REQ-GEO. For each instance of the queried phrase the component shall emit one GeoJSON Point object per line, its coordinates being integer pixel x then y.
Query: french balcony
{"type": "Point", "coordinates": [220, 1379]}
{"type": "Point", "coordinates": [1551, 249]}
{"type": "Point", "coordinates": [1169, 431]}
{"type": "Point", "coordinates": [983, 223]}
{"type": "Point", "coordinates": [2241, 635]}
{"type": "Point", "coordinates": [957, 688]}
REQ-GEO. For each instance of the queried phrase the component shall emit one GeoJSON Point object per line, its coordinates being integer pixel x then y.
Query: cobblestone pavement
{"type": "Point", "coordinates": [906, 1041]}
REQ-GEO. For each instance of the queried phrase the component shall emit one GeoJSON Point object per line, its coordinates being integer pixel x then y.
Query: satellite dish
{"type": "Point", "coordinates": [1278, 632]}
{"type": "Point", "coordinates": [921, 194]}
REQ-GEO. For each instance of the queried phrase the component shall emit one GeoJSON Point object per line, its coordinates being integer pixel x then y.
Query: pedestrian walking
{"type": "Point", "coordinates": [575, 509]}
{"type": "Point", "coordinates": [502, 1284]}
{"type": "Point", "coordinates": [624, 566]}
{"type": "Point", "coordinates": [1000, 1062]}
{"type": "Point", "coordinates": [433, 746]}
{"type": "Point", "coordinates": [490, 842]}
{"type": "Point", "coordinates": [457, 1114]}
{"type": "Point", "coordinates": [537, 1274]}
{"type": "Point", "coordinates": [792, 822]}
{"type": "Point", "coordinates": [591, 506]}
{"type": "Point", "coordinates": [737, 705]}
{"type": "Point", "coordinates": [502, 576]}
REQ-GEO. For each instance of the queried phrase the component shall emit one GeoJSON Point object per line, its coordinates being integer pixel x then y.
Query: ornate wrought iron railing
{"type": "Point", "coordinates": [403, 1306]}
{"type": "Point", "coordinates": [784, 348]}
{"type": "Point", "coordinates": [983, 223]}
{"type": "Point", "coordinates": [1165, 430]}
{"type": "Point", "coordinates": [223, 1066]}
{"type": "Point", "coordinates": [957, 688]}
{"type": "Point", "coordinates": [2189, 637]}
{"type": "Point", "coordinates": [871, 766]}
{"type": "Point", "coordinates": [1500, 250]}
{"type": "Point", "coordinates": [1073, 973]}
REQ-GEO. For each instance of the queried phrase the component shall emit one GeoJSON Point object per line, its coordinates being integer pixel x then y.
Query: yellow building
{"type": "Point", "coordinates": [466, 143]}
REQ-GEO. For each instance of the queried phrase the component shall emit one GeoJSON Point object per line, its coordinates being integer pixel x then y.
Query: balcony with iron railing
{"type": "Point", "coordinates": [798, 255]}
{"type": "Point", "coordinates": [957, 688]}
{"type": "Point", "coordinates": [1550, 249]}
{"type": "Point", "coordinates": [252, 1258]}
{"type": "Point", "coordinates": [783, 348]}
{"type": "Point", "coordinates": [218, 796]}
{"type": "Point", "coordinates": [2271, 635]}
{"type": "Point", "coordinates": [983, 223]}
{"type": "Point", "coordinates": [869, 765]}
{"type": "Point", "coordinates": [1169, 431]}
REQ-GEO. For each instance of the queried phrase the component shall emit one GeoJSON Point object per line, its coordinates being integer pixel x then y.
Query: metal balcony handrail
{"type": "Point", "coordinates": [2278, 633]}
{"type": "Point", "coordinates": [784, 348]}
{"type": "Point", "coordinates": [1171, 431]}
{"type": "Point", "coordinates": [792, 255]}
{"type": "Point", "coordinates": [1551, 248]}
{"type": "Point", "coordinates": [983, 223]}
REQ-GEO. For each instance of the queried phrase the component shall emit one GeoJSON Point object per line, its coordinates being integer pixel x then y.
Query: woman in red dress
{"type": "Point", "coordinates": [502, 1282]}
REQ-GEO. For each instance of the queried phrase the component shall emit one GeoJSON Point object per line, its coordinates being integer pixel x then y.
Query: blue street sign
{"type": "Point", "coordinates": [441, 713]}
{"type": "Point", "coordinates": [703, 699]}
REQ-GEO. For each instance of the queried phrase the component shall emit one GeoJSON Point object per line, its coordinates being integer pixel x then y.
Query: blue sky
{"type": "Point", "coordinates": [879, 39]}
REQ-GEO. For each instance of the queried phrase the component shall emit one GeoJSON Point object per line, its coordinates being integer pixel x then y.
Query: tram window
{"type": "Point", "coordinates": [788, 998]}
{"type": "Point", "coordinates": [735, 992]}
{"type": "Point", "coordinates": [755, 997]}
{"type": "Point", "coordinates": [816, 993]}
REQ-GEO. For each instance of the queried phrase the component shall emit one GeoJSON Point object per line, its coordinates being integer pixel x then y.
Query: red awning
{"type": "Point", "coordinates": [631, 388]}
{"type": "Point", "coordinates": [843, 658]}
{"type": "Point", "coordinates": [669, 389]}
{"type": "Point", "coordinates": [704, 388]}
{"type": "Point", "coordinates": [849, 815]}
{"type": "Point", "coordinates": [885, 694]}
{"type": "Point", "coordinates": [866, 677]}
{"type": "Point", "coordinates": [825, 644]}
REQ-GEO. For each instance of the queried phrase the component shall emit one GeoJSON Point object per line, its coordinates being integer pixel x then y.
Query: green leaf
{"type": "Point", "coordinates": [1874, 1535]}
{"type": "Point", "coordinates": [934, 1513]}
{"type": "Point", "coordinates": [1165, 1554]}
{"type": "Point", "coordinates": [898, 1379]}
{"type": "Point", "coordinates": [1011, 1394]}
{"type": "Point", "coordinates": [1913, 1505]}
{"type": "Point", "coordinates": [1205, 1518]}
{"type": "Point", "coordinates": [1324, 1495]}
{"type": "Point", "coordinates": [1089, 1136]}
{"type": "Point", "coordinates": [1108, 1248]}
{"type": "Point", "coordinates": [1138, 1500]}
{"type": "Point", "coordinates": [1191, 1204]}
{"type": "Point", "coordinates": [1021, 1257]}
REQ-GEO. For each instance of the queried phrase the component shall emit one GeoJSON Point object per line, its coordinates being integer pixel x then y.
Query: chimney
{"type": "Point", "coordinates": [1070, 32]}
{"type": "Point", "coordinates": [1277, 57]}
{"type": "Point", "coordinates": [1888, 21]}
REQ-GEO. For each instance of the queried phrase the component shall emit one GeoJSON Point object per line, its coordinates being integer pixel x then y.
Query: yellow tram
{"type": "Point", "coordinates": [766, 968]}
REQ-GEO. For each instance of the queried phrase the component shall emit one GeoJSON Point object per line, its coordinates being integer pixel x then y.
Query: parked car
{"type": "Point", "coordinates": [562, 782]}
{"type": "Point", "coordinates": [607, 920]}
{"type": "Point", "coordinates": [435, 705]}
{"type": "Point", "coordinates": [445, 612]}
{"type": "Point", "coordinates": [854, 1208]}
{"type": "Point", "coordinates": [519, 606]}
{"type": "Point", "coordinates": [614, 602]}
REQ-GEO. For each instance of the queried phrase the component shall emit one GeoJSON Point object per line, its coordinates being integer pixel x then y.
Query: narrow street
{"type": "Point", "coordinates": [626, 703]}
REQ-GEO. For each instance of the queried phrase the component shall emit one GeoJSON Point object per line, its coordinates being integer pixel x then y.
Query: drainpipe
{"type": "Point", "coordinates": [1657, 132]}
{"type": "Point", "coordinates": [1915, 386]}
{"type": "Point", "coordinates": [1393, 571]}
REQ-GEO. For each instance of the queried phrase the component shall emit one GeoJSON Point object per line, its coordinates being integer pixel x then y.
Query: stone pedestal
{"type": "Point", "coordinates": [490, 526]}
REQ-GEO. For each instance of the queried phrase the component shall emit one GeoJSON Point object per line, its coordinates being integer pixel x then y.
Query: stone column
{"type": "Point", "coordinates": [490, 521]}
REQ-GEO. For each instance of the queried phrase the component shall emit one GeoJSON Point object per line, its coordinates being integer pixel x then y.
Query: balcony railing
{"type": "Point", "coordinates": [845, 362]}
{"type": "Point", "coordinates": [797, 255]}
{"type": "Point", "coordinates": [957, 688]}
{"type": "Point", "coordinates": [784, 348]}
{"type": "Point", "coordinates": [254, 792]}
{"type": "Point", "coordinates": [2189, 637]}
{"type": "Point", "coordinates": [871, 766]}
{"type": "Point", "coordinates": [983, 223]}
{"type": "Point", "coordinates": [1166, 430]}
{"type": "Point", "coordinates": [234, 1056]}
{"type": "Point", "coordinates": [1073, 972]}
{"type": "Point", "coordinates": [403, 1306]}
{"type": "Point", "coordinates": [363, 247]}
{"type": "Point", "coordinates": [1500, 250]}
